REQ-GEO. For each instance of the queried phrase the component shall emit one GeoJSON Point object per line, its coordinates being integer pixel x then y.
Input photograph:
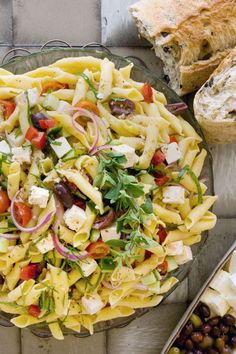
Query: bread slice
{"type": "Point", "coordinates": [215, 103]}
{"type": "Point", "coordinates": [190, 36]}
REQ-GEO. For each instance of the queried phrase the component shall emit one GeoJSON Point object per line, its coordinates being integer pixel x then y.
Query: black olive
{"type": "Point", "coordinates": [36, 117]}
{"type": "Point", "coordinates": [228, 320]}
{"type": "Point", "coordinates": [214, 321]}
{"type": "Point", "coordinates": [121, 106]}
{"type": "Point", "coordinates": [197, 337]}
{"type": "Point", "coordinates": [188, 328]}
{"type": "Point", "coordinates": [189, 344]}
{"type": "Point", "coordinates": [205, 328]}
{"type": "Point", "coordinates": [64, 194]}
{"type": "Point", "coordinates": [215, 332]}
{"type": "Point", "coordinates": [177, 108]}
{"type": "Point", "coordinates": [204, 311]}
{"type": "Point", "coordinates": [1, 280]}
{"type": "Point", "coordinates": [233, 342]}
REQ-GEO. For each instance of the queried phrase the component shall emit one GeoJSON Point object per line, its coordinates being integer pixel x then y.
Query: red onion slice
{"type": "Point", "coordinates": [76, 125]}
{"type": "Point", "coordinates": [101, 147]}
{"type": "Point", "coordinates": [96, 121]}
{"type": "Point", "coordinates": [65, 252]}
{"type": "Point", "coordinates": [177, 108]}
{"type": "Point", "coordinates": [30, 229]}
{"type": "Point", "coordinates": [10, 236]}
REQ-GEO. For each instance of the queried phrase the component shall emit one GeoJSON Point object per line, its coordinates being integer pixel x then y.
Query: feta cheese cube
{"type": "Point", "coordinates": [232, 263]}
{"type": "Point", "coordinates": [21, 154]}
{"type": "Point", "coordinates": [45, 245]}
{"type": "Point", "coordinates": [110, 234]}
{"type": "Point", "coordinates": [61, 146]}
{"type": "Point", "coordinates": [185, 257]}
{"type": "Point", "coordinates": [88, 266]}
{"type": "Point", "coordinates": [216, 302]}
{"type": "Point", "coordinates": [128, 152]}
{"type": "Point", "coordinates": [92, 305]}
{"type": "Point", "coordinates": [74, 217]}
{"type": "Point", "coordinates": [16, 138]}
{"type": "Point", "coordinates": [39, 196]}
{"type": "Point", "coordinates": [174, 248]}
{"type": "Point", "coordinates": [33, 96]}
{"type": "Point", "coordinates": [172, 152]}
{"type": "Point", "coordinates": [65, 107]}
{"type": "Point", "coordinates": [4, 147]}
{"type": "Point", "coordinates": [173, 195]}
{"type": "Point", "coordinates": [232, 280]}
{"type": "Point", "coordinates": [221, 283]}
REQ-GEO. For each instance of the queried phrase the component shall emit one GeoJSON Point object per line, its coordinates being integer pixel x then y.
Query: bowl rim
{"type": "Point", "coordinates": [38, 330]}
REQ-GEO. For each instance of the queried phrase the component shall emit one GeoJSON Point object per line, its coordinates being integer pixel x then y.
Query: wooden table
{"type": "Point", "coordinates": [29, 24]}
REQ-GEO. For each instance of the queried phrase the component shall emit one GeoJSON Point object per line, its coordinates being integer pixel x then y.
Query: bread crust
{"type": "Point", "coordinates": [217, 131]}
{"type": "Point", "coordinates": [196, 34]}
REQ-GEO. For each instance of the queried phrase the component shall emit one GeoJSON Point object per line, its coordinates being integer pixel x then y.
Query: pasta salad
{"type": "Point", "coordinates": [100, 196]}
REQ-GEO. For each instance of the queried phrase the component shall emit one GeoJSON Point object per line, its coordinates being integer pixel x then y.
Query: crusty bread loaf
{"type": "Point", "coordinates": [215, 103]}
{"type": "Point", "coordinates": [190, 36]}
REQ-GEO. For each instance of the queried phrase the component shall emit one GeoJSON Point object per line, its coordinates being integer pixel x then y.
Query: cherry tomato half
{"type": "Point", "coordinates": [147, 92]}
{"type": "Point", "coordinates": [98, 250]}
{"type": "Point", "coordinates": [23, 213]}
{"type": "Point", "coordinates": [34, 310]}
{"type": "Point", "coordinates": [90, 106]}
{"type": "Point", "coordinates": [29, 272]}
{"type": "Point", "coordinates": [53, 86]}
{"type": "Point", "coordinates": [158, 157]}
{"type": "Point", "coordinates": [4, 202]}
{"type": "Point", "coordinates": [7, 108]}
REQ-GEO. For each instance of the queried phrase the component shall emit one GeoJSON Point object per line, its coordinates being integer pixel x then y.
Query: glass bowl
{"type": "Point", "coordinates": [139, 73]}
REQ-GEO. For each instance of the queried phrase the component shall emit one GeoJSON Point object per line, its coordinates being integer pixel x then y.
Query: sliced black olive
{"type": "Point", "coordinates": [177, 108]}
{"type": "Point", "coordinates": [121, 106]}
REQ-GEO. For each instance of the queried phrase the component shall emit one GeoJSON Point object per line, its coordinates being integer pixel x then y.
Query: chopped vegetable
{"type": "Point", "coordinates": [47, 123]}
{"type": "Point", "coordinates": [23, 213]}
{"type": "Point", "coordinates": [161, 180]}
{"type": "Point", "coordinates": [31, 134]}
{"type": "Point", "coordinates": [7, 108]}
{"type": "Point", "coordinates": [29, 272]}
{"type": "Point", "coordinates": [158, 158]}
{"type": "Point", "coordinates": [98, 250]}
{"type": "Point", "coordinates": [40, 141]}
{"type": "Point", "coordinates": [4, 201]}
{"type": "Point", "coordinates": [162, 234]}
{"type": "Point", "coordinates": [53, 86]}
{"type": "Point", "coordinates": [89, 106]}
{"type": "Point", "coordinates": [34, 311]}
{"type": "Point", "coordinates": [147, 92]}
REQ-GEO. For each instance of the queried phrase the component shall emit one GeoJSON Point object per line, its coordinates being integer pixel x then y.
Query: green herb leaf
{"type": "Point", "coordinates": [107, 264]}
{"type": "Point", "coordinates": [147, 206]}
{"type": "Point", "coordinates": [189, 171]}
{"type": "Point", "coordinates": [91, 85]}
{"type": "Point", "coordinates": [116, 243]}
